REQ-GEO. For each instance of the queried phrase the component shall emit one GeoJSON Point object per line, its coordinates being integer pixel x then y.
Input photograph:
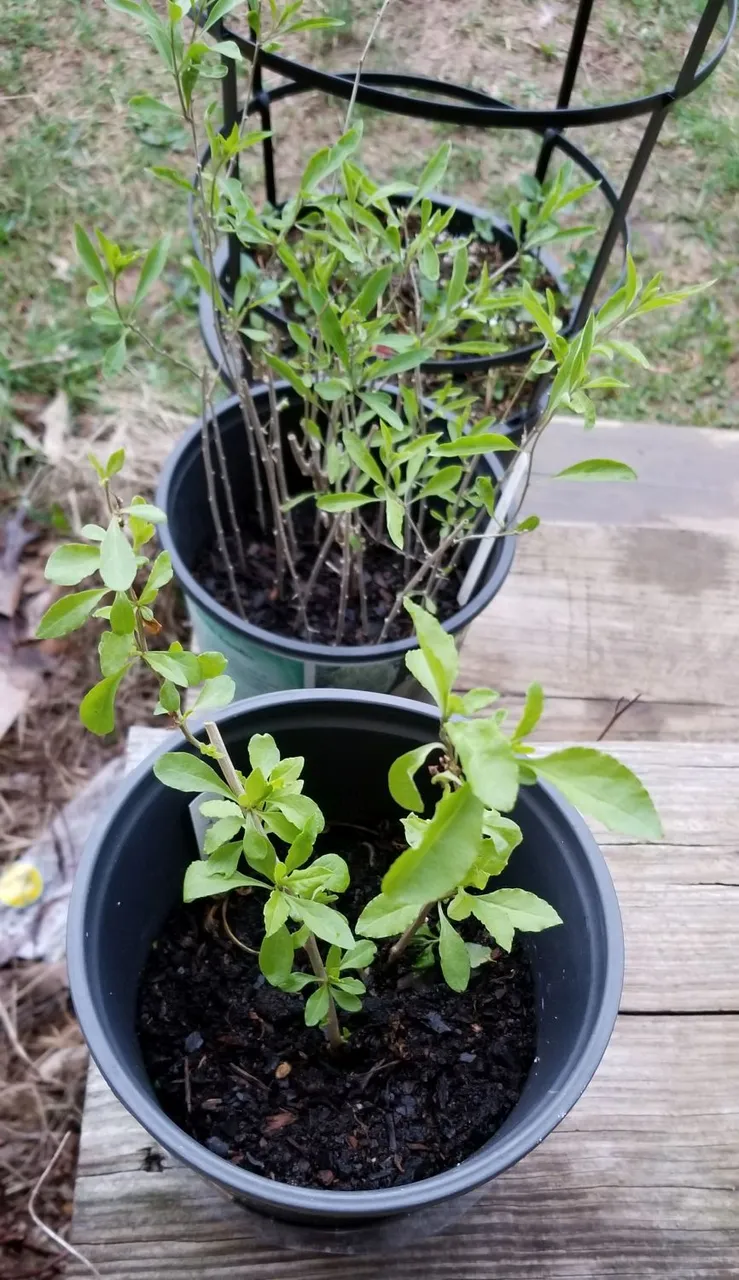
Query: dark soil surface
{"type": "Point", "coordinates": [265, 607]}
{"type": "Point", "coordinates": [425, 1079]}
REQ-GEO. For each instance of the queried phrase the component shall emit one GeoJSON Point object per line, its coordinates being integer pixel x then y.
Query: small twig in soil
{"type": "Point", "coordinates": [230, 932]}
{"type": "Point", "coordinates": [620, 710]}
{"type": "Point", "coordinates": [251, 1079]}
{"type": "Point", "coordinates": [380, 1066]}
{"type": "Point", "coordinates": [42, 1226]}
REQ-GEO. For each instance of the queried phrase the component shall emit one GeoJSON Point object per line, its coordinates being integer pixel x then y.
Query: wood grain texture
{"type": "Point", "coordinates": [605, 612]}
{"type": "Point", "coordinates": [639, 1181]}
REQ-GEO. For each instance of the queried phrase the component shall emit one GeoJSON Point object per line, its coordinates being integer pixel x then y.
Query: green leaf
{"type": "Point", "coordinates": [211, 664]}
{"type": "Point", "coordinates": [145, 511]}
{"type": "Point", "coordinates": [429, 261]}
{"type": "Point", "coordinates": [487, 760]}
{"type": "Point", "coordinates": [482, 442]}
{"type": "Point", "coordinates": [183, 772]}
{"type": "Point", "coordinates": [330, 871]}
{"type": "Point", "coordinates": [115, 463]}
{"type": "Point", "coordinates": [276, 956]}
{"type": "Point", "coordinates": [456, 286]}
{"type": "Point", "coordinates": [92, 531]}
{"type": "Point", "coordinates": [276, 911]}
{"type": "Point", "coordinates": [160, 574]}
{"type": "Point", "coordinates": [402, 772]}
{"type": "Point", "coordinates": [115, 357]}
{"type": "Point", "coordinates": [394, 520]}
{"type": "Point", "coordinates": [296, 982]}
{"type": "Point", "coordinates": [338, 502]}
{"type": "Point", "coordinates": [332, 333]}
{"type": "Point", "coordinates": [384, 918]}
{"type": "Point", "coordinates": [220, 809]}
{"type": "Point", "coordinates": [69, 564]}
{"type": "Point", "coordinates": [219, 10]}
{"type": "Point", "coordinates": [506, 910]}
{"type": "Point", "coordinates": [256, 789]}
{"type": "Point", "coordinates": [324, 921]}
{"type": "Point", "coordinates": [215, 693]}
{"type": "Point", "coordinates": [438, 670]}
{"type": "Point", "coordinates": [263, 753]}
{"type": "Point", "coordinates": [202, 880]}
{"type": "Point", "coordinates": [468, 704]}
{"type": "Point", "coordinates": [597, 469]}
{"type": "Point", "coordinates": [88, 257]}
{"type": "Point", "coordinates": [401, 363]}
{"type": "Point", "coordinates": [346, 1000]}
{"type": "Point", "coordinates": [117, 559]}
{"type": "Point", "coordinates": [372, 290]}
{"type": "Point", "coordinates": [478, 954]}
{"type": "Point", "coordinates": [166, 173]}
{"type": "Point", "coordinates": [316, 1007]}
{"type": "Point", "coordinates": [432, 174]}
{"type": "Point", "coordinates": [444, 482]}
{"type": "Point", "coordinates": [97, 709]}
{"type": "Point", "coordinates": [68, 614]}
{"type": "Point", "coordinates": [154, 264]}
{"type": "Point", "coordinates": [360, 956]}
{"type": "Point", "coordinates": [532, 712]}
{"type": "Point", "coordinates": [114, 652]}
{"type": "Point", "coordinates": [223, 830]}
{"type": "Point", "coordinates": [259, 850]}
{"type": "Point", "coordinates": [153, 106]}
{"type": "Point", "coordinates": [361, 455]}
{"type": "Point", "coordinates": [169, 666]}
{"type": "Point", "coordinates": [169, 700]}
{"type": "Point", "coordinates": [445, 854]}
{"type": "Point", "coordinates": [454, 957]}
{"type": "Point", "coordinates": [603, 788]}
{"type": "Point", "coordinates": [122, 616]}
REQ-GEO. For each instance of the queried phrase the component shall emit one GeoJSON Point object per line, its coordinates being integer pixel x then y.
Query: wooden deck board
{"type": "Point", "coordinates": [639, 1181]}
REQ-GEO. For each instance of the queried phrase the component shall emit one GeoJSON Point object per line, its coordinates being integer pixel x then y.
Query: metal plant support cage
{"type": "Point", "coordinates": [458, 105]}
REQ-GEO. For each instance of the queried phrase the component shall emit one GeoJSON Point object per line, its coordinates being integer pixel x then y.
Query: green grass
{"type": "Point", "coordinates": [71, 150]}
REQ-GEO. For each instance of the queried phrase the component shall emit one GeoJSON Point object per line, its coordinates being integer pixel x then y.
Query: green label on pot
{"type": "Point", "coordinates": [254, 669]}
{"type": "Point", "coordinates": [257, 669]}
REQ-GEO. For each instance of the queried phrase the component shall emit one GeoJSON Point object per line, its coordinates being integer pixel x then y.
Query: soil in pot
{"type": "Point", "coordinates": [426, 1077]}
{"type": "Point", "coordinates": [255, 575]}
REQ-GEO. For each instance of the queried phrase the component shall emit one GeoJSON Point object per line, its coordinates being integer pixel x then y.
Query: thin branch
{"type": "Point", "coordinates": [362, 59]}
{"type": "Point", "coordinates": [42, 1226]}
{"type": "Point", "coordinates": [225, 762]}
{"type": "Point", "coordinates": [213, 504]}
{"type": "Point", "coordinates": [399, 947]}
{"type": "Point", "coordinates": [620, 711]}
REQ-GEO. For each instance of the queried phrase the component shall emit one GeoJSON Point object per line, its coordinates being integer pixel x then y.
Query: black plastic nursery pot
{"type": "Point", "coordinates": [262, 661]}
{"type": "Point", "coordinates": [130, 878]}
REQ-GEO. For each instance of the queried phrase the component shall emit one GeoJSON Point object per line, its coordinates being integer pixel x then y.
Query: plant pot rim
{"type": "Point", "coordinates": [514, 1142]}
{"type": "Point", "coordinates": [289, 646]}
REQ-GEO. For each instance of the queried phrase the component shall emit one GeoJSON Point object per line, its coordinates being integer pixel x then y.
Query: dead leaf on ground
{"type": "Point", "coordinates": [57, 426]}
{"type": "Point", "coordinates": [15, 539]}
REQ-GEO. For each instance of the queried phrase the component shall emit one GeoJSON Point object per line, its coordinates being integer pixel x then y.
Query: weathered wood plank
{"type": "Point", "coordinates": [686, 474]}
{"type": "Point", "coordinates": [639, 1181]}
{"type": "Point", "coordinates": [604, 612]}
